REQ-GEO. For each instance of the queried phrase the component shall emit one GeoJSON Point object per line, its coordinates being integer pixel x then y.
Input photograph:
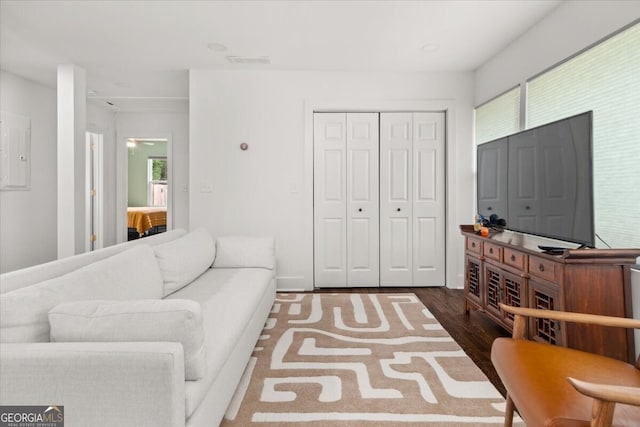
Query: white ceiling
{"type": "Point", "coordinates": [143, 49]}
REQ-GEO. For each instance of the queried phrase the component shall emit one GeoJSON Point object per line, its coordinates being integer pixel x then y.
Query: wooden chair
{"type": "Point", "coordinates": [557, 386]}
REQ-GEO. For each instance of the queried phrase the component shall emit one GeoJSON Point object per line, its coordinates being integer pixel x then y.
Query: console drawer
{"type": "Point", "coordinates": [474, 245]}
{"type": "Point", "coordinates": [543, 268]}
{"type": "Point", "coordinates": [492, 251]}
{"type": "Point", "coordinates": [514, 258]}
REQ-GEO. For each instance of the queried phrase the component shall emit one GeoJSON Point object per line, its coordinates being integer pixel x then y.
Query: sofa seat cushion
{"type": "Point", "coordinates": [156, 320]}
{"type": "Point", "coordinates": [229, 299]}
{"type": "Point", "coordinates": [132, 274]}
{"type": "Point", "coordinates": [185, 258]}
{"type": "Point", "coordinates": [540, 379]}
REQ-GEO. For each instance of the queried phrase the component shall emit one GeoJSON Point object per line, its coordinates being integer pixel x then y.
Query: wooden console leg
{"type": "Point", "coordinates": [508, 412]}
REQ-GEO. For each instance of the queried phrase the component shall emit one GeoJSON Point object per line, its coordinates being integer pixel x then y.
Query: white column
{"type": "Point", "coordinates": [72, 105]}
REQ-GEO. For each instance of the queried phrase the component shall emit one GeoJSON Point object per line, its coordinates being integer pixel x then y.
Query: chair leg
{"type": "Point", "coordinates": [508, 412]}
{"type": "Point", "coordinates": [602, 413]}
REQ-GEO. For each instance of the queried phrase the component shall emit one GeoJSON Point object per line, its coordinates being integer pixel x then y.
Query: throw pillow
{"type": "Point", "coordinates": [172, 320]}
{"type": "Point", "coordinates": [131, 274]}
{"type": "Point", "coordinates": [245, 252]}
{"type": "Point", "coordinates": [184, 259]}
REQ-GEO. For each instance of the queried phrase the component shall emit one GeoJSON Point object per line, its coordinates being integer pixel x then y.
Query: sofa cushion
{"type": "Point", "coordinates": [230, 299]}
{"type": "Point", "coordinates": [174, 320]}
{"type": "Point", "coordinates": [17, 279]}
{"type": "Point", "coordinates": [245, 252]}
{"type": "Point", "coordinates": [184, 259]}
{"type": "Point", "coordinates": [132, 274]}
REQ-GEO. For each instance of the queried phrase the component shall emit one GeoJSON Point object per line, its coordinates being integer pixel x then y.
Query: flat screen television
{"type": "Point", "coordinates": [540, 181]}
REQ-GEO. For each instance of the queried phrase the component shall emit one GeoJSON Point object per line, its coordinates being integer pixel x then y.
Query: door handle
{"type": "Point", "coordinates": [398, 209]}
{"type": "Point", "coordinates": [359, 209]}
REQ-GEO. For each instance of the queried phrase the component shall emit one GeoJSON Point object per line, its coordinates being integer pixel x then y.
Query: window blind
{"type": "Point", "coordinates": [498, 117]}
{"type": "Point", "coordinates": [605, 79]}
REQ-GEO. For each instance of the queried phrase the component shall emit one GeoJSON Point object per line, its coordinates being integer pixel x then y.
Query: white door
{"type": "Point", "coordinates": [412, 194]}
{"type": "Point", "coordinates": [396, 154]}
{"type": "Point", "coordinates": [94, 191]}
{"type": "Point", "coordinates": [362, 200]}
{"type": "Point", "coordinates": [330, 199]}
{"type": "Point", "coordinates": [428, 199]}
{"type": "Point", "coordinates": [379, 199]}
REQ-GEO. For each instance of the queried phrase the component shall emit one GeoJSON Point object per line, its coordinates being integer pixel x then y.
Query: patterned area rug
{"type": "Point", "coordinates": [360, 360]}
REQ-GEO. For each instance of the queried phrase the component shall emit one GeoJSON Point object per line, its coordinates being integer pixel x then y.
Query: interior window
{"type": "Point", "coordinates": [605, 79]}
{"type": "Point", "coordinates": [498, 117]}
{"type": "Point", "coordinates": [157, 181]}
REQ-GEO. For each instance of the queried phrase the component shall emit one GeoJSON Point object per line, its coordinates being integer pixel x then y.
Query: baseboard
{"type": "Point", "coordinates": [292, 284]}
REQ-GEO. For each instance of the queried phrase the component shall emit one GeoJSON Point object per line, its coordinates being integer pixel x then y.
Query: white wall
{"type": "Point", "coordinates": [28, 226]}
{"type": "Point", "coordinates": [570, 28]}
{"type": "Point", "coordinates": [267, 190]}
{"type": "Point", "coordinates": [28, 219]}
{"type": "Point", "coordinates": [71, 159]}
{"type": "Point", "coordinates": [159, 124]}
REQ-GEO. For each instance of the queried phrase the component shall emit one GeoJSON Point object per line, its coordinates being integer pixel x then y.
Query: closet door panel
{"type": "Point", "coordinates": [399, 246]}
{"type": "Point", "coordinates": [426, 258]}
{"type": "Point", "coordinates": [429, 199]}
{"type": "Point", "coordinates": [363, 268]}
{"type": "Point", "coordinates": [396, 157]}
{"type": "Point", "coordinates": [330, 199]}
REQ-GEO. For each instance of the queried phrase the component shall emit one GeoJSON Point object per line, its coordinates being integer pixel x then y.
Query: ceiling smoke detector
{"type": "Point", "coordinates": [262, 60]}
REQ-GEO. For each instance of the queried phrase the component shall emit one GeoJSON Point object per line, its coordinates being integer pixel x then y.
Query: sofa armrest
{"type": "Point", "coordinates": [521, 313]}
{"type": "Point", "coordinates": [99, 384]}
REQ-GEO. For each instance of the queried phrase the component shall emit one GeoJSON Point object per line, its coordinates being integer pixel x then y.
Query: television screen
{"type": "Point", "coordinates": [540, 180]}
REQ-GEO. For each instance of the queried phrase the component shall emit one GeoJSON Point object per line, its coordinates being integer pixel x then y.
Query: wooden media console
{"type": "Point", "coordinates": [509, 267]}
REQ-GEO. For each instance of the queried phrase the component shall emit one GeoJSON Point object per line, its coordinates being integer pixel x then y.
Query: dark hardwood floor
{"type": "Point", "coordinates": [474, 333]}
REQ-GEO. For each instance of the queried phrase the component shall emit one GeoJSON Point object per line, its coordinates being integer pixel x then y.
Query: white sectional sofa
{"type": "Point", "coordinates": [153, 332]}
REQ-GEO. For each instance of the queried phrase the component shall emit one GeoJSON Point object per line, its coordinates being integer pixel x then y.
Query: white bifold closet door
{"type": "Point", "coordinates": [346, 199]}
{"type": "Point", "coordinates": [412, 199]}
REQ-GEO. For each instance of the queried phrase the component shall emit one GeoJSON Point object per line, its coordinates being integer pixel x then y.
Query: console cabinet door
{"type": "Point", "coordinates": [514, 294]}
{"type": "Point", "coordinates": [473, 286]}
{"type": "Point", "coordinates": [545, 296]}
{"type": "Point", "coordinates": [493, 290]}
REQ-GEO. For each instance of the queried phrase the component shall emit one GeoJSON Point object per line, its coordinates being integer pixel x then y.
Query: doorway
{"type": "Point", "coordinates": [145, 196]}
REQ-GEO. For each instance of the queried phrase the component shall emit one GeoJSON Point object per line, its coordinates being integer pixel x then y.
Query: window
{"type": "Point", "coordinates": [498, 117]}
{"type": "Point", "coordinates": [157, 187]}
{"type": "Point", "coordinates": [605, 79]}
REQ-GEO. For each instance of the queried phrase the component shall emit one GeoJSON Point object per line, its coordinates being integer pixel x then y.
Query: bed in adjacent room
{"type": "Point", "coordinates": [145, 220]}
